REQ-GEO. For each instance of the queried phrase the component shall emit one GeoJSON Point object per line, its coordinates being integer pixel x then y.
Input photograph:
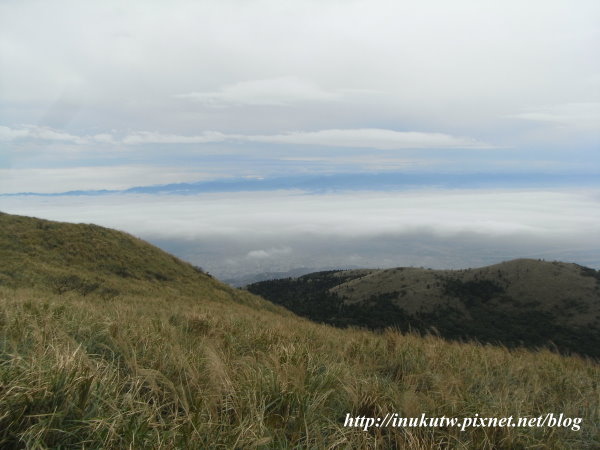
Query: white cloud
{"type": "Point", "coordinates": [577, 115]}
{"type": "Point", "coordinates": [270, 92]}
{"type": "Point", "coordinates": [269, 253]}
{"type": "Point", "coordinates": [361, 138]}
{"type": "Point", "coordinates": [48, 134]}
{"type": "Point", "coordinates": [242, 215]}
{"type": "Point", "coordinates": [256, 231]}
{"type": "Point", "coordinates": [10, 134]}
{"type": "Point", "coordinates": [43, 133]}
{"type": "Point", "coordinates": [371, 138]}
{"type": "Point", "coordinates": [437, 63]}
{"type": "Point", "coordinates": [149, 137]}
{"type": "Point", "coordinates": [103, 138]}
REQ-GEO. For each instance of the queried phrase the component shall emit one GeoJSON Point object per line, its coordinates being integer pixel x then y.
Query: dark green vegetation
{"type": "Point", "coordinates": [519, 303]}
{"type": "Point", "coordinates": [108, 342]}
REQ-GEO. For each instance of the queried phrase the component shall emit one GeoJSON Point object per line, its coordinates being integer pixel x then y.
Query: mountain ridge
{"type": "Point", "coordinates": [345, 181]}
{"type": "Point", "coordinates": [518, 302]}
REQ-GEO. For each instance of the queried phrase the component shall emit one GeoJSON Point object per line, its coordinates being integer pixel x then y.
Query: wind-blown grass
{"type": "Point", "coordinates": [177, 373]}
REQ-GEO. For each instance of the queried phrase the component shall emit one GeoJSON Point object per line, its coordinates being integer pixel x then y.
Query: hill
{"type": "Point", "coordinates": [88, 259]}
{"type": "Point", "coordinates": [521, 302]}
{"type": "Point", "coordinates": [108, 342]}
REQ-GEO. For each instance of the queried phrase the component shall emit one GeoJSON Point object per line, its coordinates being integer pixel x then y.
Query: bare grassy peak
{"type": "Point", "coordinates": [87, 259]}
{"type": "Point", "coordinates": [516, 303]}
{"type": "Point", "coordinates": [550, 285]}
{"type": "Point", "coordinates": [86, 246]}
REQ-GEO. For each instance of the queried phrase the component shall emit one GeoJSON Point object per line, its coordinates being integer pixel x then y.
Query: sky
{"type": "Point", "coordinates": [253, 106]}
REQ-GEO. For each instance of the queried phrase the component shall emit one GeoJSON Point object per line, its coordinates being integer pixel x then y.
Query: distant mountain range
{"type": "Point", "coordinates": [353, 181]}
{"type": "Point", "coordinates": [522, 302]}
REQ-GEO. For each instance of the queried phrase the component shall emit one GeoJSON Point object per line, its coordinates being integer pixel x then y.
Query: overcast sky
{"type": "Point", "coordinates": [111, 94]}
{"type": "Point", "coordinates": [145, 84]}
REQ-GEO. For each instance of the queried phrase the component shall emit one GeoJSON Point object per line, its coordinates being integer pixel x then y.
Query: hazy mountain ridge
{"type": "Point", "coordinates": [520, 302]}
{"type": "Point", "coordinates": [383, 181]}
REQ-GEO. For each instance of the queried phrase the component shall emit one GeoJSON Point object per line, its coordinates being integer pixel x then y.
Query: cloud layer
{"type": "Point", "coordinates": [44, 133]}
{"type": "Point", "coordinates": [246, 232]}
{"type": "Point", "coordinates": [576, 115]}
{"type": "Point", "coordinates": [270, 92]}
{"type": "Point", "coordinates": [373, 138]}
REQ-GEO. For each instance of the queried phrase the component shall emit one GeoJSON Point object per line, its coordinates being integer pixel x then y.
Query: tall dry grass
{"type": "Point", "coordinates": [165, 370]}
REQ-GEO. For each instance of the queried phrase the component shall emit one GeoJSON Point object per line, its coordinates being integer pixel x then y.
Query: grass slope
{"type": "Point", "coordinates": [521, 302]}
{"type": "Point", "coordinates": [88, 259]}
{"type": "Point", "coordinates": [186, 362]}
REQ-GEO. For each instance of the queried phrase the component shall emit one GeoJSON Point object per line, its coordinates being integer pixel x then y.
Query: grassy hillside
{"type": "Point", "coordinates": [185, 362]}
{"type": "Point", "coordinates": [521, 302]}
{"type": "Point", "coordinates": [84, 260]}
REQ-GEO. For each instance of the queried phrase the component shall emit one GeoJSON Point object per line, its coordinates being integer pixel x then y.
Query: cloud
{"type": "Point", "coordinates": [149, 137]}
{"type": "Point", "coordinates": [449, 66]}
{"type": "Point", "coordinates": [356, 214]}
{"type": "Point", "coordinates": [103, 138]}
{"type": "Point", "coordinates": [377, 138]}
{"type": "Point", "coordinates": [268, 92]}
{"type": "Point", "coordinates": [245, 232]}
{"type": "Point", "coordinates": [48, 134]}
{"type": "Point", "coordinates": [35, 132]}
{"type": "Point", "coordinates": [576, 115]}
{"type": "Point", "coordinates": [10, 134]}
{"type": "Point", "coordinates": [359, 138]}
{"type": "Point", "coordinates": [272, 252]}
